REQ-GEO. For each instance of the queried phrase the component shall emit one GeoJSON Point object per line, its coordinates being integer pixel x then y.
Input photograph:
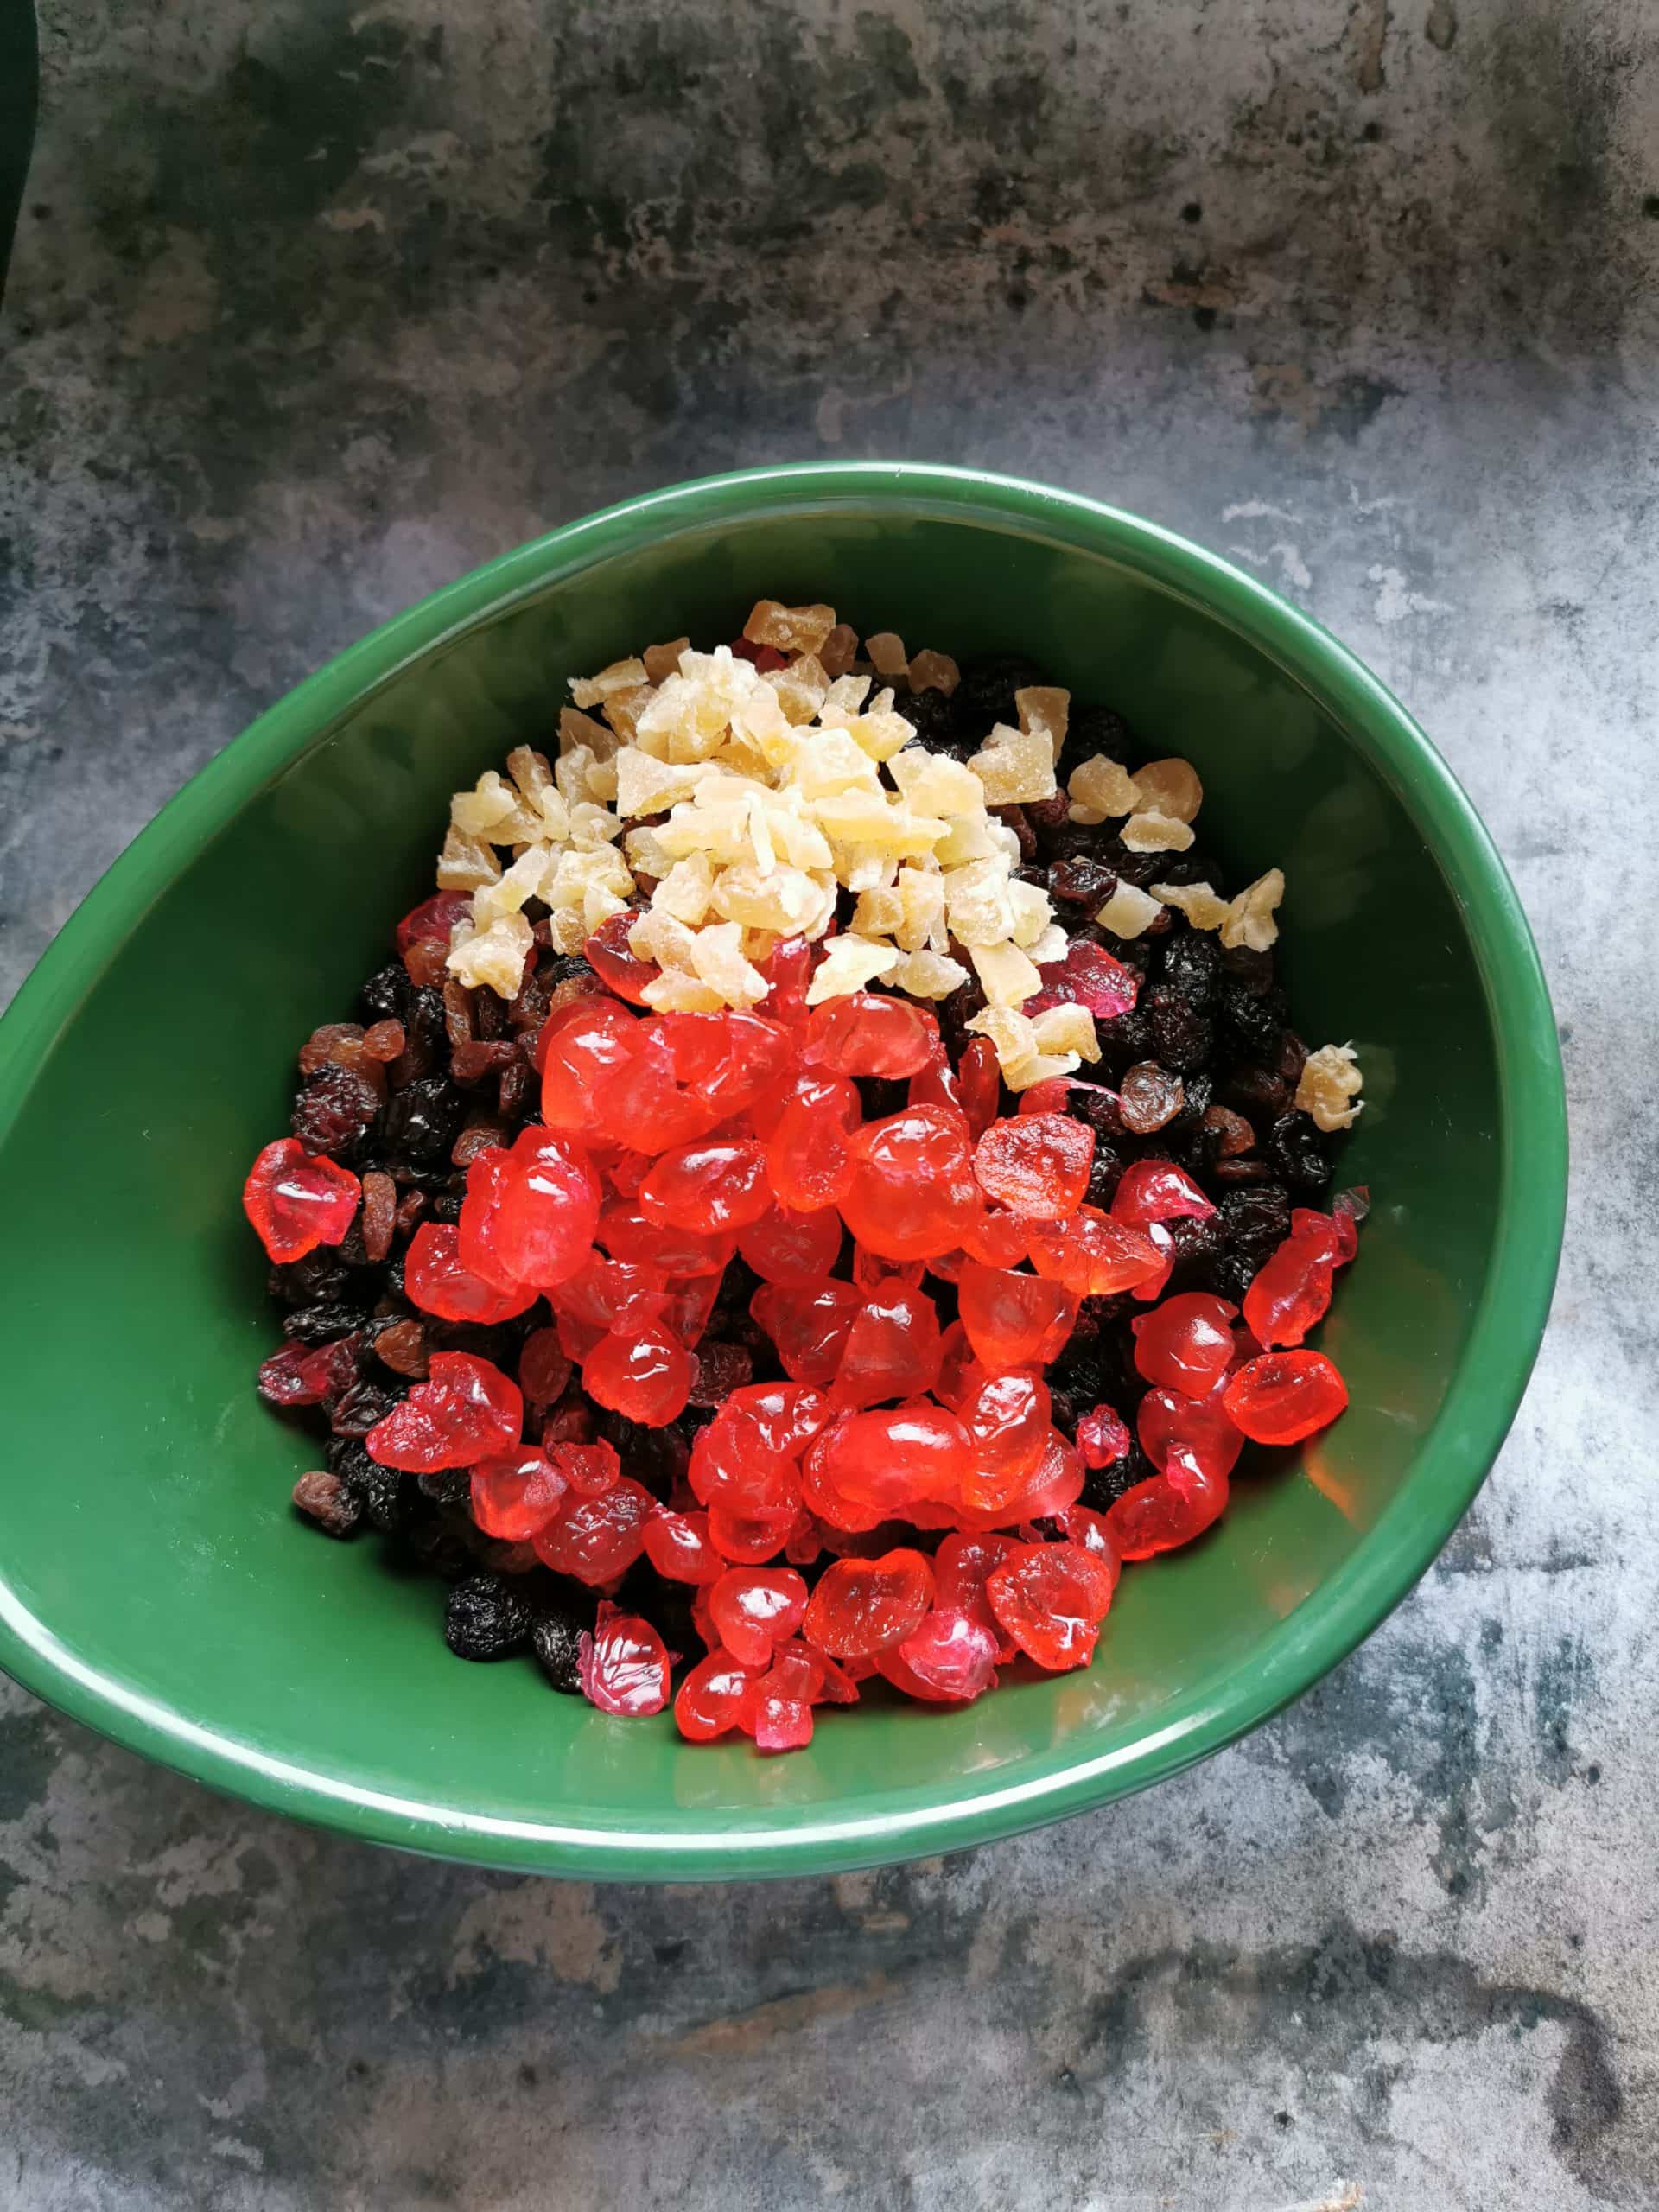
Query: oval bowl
{"type": "Point", "coordinates": [154, 1582]}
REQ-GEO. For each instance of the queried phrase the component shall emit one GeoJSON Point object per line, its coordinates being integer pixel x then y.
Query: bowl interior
{"type": "Point", "coordinates": [154, 1578]}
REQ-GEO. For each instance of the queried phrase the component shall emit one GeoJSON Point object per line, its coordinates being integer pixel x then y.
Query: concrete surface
{"type": "Point", "coordinates": [314, 309]}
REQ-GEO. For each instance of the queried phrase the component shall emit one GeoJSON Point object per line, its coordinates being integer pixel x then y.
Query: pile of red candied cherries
{"type": "Point", "coordinates": [672, 1142]}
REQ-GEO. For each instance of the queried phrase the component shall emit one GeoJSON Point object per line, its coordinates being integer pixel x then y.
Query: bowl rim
{"type": "Point", "coordinates": [1486, 1387]}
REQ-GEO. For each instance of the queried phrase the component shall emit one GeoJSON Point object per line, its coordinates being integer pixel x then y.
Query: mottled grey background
{"type": "Point", "coordinates": [315, 307]}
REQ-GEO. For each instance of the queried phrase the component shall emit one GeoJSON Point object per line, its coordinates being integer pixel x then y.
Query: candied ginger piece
{"type": "Point", "coordinates": [686, 890]}
{"type": "Point", "coordinates": [839, 651]}
{"type": "Point", "coordinates": [1015, 765]}
{"type": "Point", "coordinates": [786, 900]}
{"type": "Point", "coordinates": [1130, 912]}
{"type": "Point", "coordinates": [717, 960]}
{"type": "Point", "coordinates": [830, 760]}
{"type": "Point", "coordinates": [1045, 706]}
{"type": "Point", "coordinates": [921, 894]}
{"type": "Point", "coordinates": [1053, 944]}
{"type": "Point", "coordinates": [880, 911]}
{"type": "Point", "coordinates": [574, 729]}
{"type": "Point", "coordinates": [662, 937]}
{"type": "Point", "coordinates": [801, 688]}
{"type": "Point", "coordinates": [493, 958]}
{"type": "Point", "coordinates": [661, 662]}
{"type": "Point", "coordinates": [647, 785]}
{"type": "Point", "coordinates": [969, 837]}
{"type": "Point", "coordinates": [932, 671]}
{"type": "Point", "coordinates": [1007, 976]}
{"type": "Point", "coordinates": [978, 902]}
{"type": "Point", "coordinates": [623, 709]}
{"type": "Point", "coordinates": [1043, 1069]}
{"type": "Point", "coordinates": [567, 928]}
{"type": "Point", "coordinates": [886, 654]}
{"type": "Point", "coordinates": [1066, 1029]}
{"type": "Point", "coordinates": [927, 975]}
{"type": "Point", "coordinates": [1031, 913]}
{"type": "Point", "coordinates": [1013, 1035]}
{"type": "Point", "coordinates": [789, 629]}
{"type": "Point", "coordinates": [934, 784]}
{"type": "Point", "coordinates": [466, 863]}
{"type": "Point", "coordinates": [1197, 901]}
{"type": "Point", "coordinates": [1150, 832]}
{"type": "Point", "coordinates": [1250, 920]}
{"type": "Point", "coordinates": [479, 812]}
{"type": "Point", "coordinates": [1330, 1079]}
{"type": "Point", "coordinates": [848, 964]}
{"type": "Point", "coordinates": [1101, 788]}
{"type": "Point", "coordinates": [620, 676]}
{"type": "Point", "coordinates": [1170, 787]}
{"type": "Point", "coordinates": [672, 992]}
{"type": "Point", "coordinates": [865, 818]}
{"type": "Point", "coordinates": [508, 892]}
{"type": "Point", "coordinates": [646, 855]}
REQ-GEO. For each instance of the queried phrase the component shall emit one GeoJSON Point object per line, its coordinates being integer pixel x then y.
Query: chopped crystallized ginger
{"type": "Point", "coordinates": [620, 676]}
{"type": "Point", "coordinates": [1044, 706]}
{"type": "Point", "coordinates": [1197, 901]}
{"type": "Point", "coordinates": [466, 863]}
{"type": "Point", "coordinates": [1170, 787]}
{"type": "Point", "coordinates": [1330, 1079]}
{"type": "Point", "coordinates": [1249, 918]}
{"type": "Point", "coordinates": [839, 651]}
{"type": "Point", "coordinates": [885, 654]}
{"type": "Point", "coordinates": [664, 661]}
{"type": "Point", "coordinates": [927, 975]}
{"type": "Point", "coordinates": [1128, 912]}
{"type": "Point", "coordinates": [1101, 788]}
{"type": "Point", "coordinates": [848, 964]}
{"type": "Point", "coordinates": [1066, 1029]}
{"type": "Point", "coordinates": [1007, 976]}
{"type": "Point", "coordinates": [1015, 765]}
{"type": "Point", "coordinates": [789, 629]}
{"type": "Point", "coordinates": [1151, 832]}
{"type": "Point", "coordinates": [493, 958]}
{"type": "Point", "coordinates": [932, 671]}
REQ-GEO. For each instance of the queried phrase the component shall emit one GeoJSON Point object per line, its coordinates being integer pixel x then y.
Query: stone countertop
{"type": "Point", "coordinates": [315, 306]}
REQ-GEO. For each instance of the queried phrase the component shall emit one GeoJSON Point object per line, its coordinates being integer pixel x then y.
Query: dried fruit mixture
{"type": "Point", "coordinates": [826, 1180]}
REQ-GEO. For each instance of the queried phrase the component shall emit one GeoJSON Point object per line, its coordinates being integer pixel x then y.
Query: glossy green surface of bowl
{"type": "Point", "coordinates": [153, 1579]}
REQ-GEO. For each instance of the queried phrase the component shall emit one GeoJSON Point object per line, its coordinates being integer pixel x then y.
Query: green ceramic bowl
{"type": "Point", "coordinates": [153, 1579]}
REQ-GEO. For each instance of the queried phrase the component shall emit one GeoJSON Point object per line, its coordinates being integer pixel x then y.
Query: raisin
{"type": "Point", "coordinates": [449, 1486]}
{"type": "Point", "coordinates": [985, 694]}
{"type": "Point", "coordinates": [556, 1638]}
{"type": "Point", "coordinates": [1295, 1149]}
{"type": "Point", "coordinates": [653, 1457]}
{"type": "Point", "coordinates": [489, 1016]}
{"type": "Point", "coordinates": [401, 1346]}
{"type": "Point", "coordinates": [422, 1122]}
{"type": "Point", "coordinates": [303, 1282]}
{"type": "Point", "coordinates": [721, 1369]}
{"type": "Point", "coordinates": [1230, 1134]}
{"type": "Point", "coordinates": [1256, 1219]}
{"type": "Point", "coordinates": [384, 997]}
{"type": "Point", "coordinates": [1125, 1039]}
{"type": "Point", "coordinates": [486, 1618]}
{"type": "Point", "coordinates": [1099, 1108]}
{"type": "Point", "coordinates": [1257, 1093]}
{"type": "Point", "coordinates": [518, 1085]}
{"type": "Point", "coordinates": [931, 715]}
{"type": "Point", "coordinates": [385, 1041]}
{"type": "Point", "coordinates": [319, 1323]}
{"type": "Point", "coordinates": [1082, 880]}
{"type": "Point", "coordinates": [388, 1498]}
{"type": "Point", "coordinates": [1192, 965]}
{"type": "Point", "coordinates": [1103, 1486]}
{"type": "Point", "coordinates": [323, 1498]}
{"type": "Point", "coordinates": [1183, 1038]}
{"type": "Point", "coordinates": [1090, 730]}
{"type": "Point", "coordinates": [357, 1410]}
{"type": "Point", "coordinates": [332, 1108]}
{"type": "Point", "coordinates": [1195, 1237]}
{"type": "Point", "coordinates": [1231, 1274]}
{"type": "Point", "coordinates": [1248, 966]}
{"type": "Point", "coordinates": [1105, 1173]}
{"type": "Point", "coordinates": [1150, 1096]}
{"type": "Point", "coordinates": [379, 1216]}
{"type": "Point", "coordinates": [1248, 1021]}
